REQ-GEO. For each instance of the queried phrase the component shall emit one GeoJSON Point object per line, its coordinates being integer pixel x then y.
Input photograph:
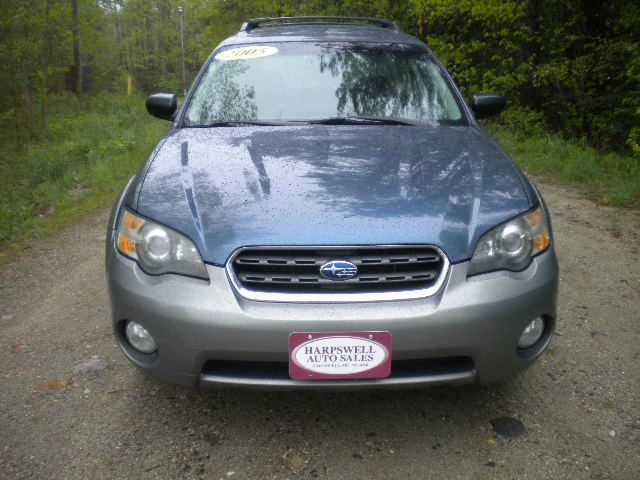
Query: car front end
{"type": "Point", "coordinates": [348, 252]}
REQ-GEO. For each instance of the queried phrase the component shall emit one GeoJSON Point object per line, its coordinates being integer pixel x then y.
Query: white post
{"type": "Point", "coordinates": [184, 80]}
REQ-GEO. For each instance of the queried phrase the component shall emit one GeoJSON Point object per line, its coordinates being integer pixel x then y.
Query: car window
{"type": "Point", "coordinates": [305, 81]}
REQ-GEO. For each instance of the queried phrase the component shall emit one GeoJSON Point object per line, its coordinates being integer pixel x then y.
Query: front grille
{"type": "Point", "coordinates": [296, 270]}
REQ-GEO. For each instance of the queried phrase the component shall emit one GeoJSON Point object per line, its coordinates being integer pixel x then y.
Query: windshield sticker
{"type": "Point", "coordinates": [246, 53]}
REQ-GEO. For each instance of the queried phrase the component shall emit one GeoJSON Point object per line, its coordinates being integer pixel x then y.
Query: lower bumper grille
{"type": "Point", "coordinates": [409, 373]}
{"type": "Point", "coordinates": [300, 271]}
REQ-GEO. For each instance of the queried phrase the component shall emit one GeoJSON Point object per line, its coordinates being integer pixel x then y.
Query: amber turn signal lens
{"type": "Point", "coordinates": [126, 245]}
{"type": "Point", "coordinates": [541, 242]}
{"type": "Point", "coordinates": [539, 231]}
{"type": "Point", "coordinates": [128, 235]}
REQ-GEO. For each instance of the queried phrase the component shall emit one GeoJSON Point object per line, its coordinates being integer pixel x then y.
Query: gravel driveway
{"type": "Point", "coordinates": [71, 406]}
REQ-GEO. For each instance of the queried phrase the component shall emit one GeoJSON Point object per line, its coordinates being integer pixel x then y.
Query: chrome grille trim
{"type": "Point", "coordinates": [335, 296]}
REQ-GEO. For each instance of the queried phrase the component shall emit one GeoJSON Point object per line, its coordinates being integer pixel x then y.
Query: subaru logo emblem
{"type": "Point", "coordinates": [338, 270]}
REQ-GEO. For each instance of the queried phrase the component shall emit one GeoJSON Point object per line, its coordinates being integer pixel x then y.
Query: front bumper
{"type": "Point", "coordinates": [209, 336]}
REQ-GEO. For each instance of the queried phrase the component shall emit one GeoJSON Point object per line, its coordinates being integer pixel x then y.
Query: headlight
{"type": "Point", "coordinates": [512, 245]}
{"type": "Point", "coordinates": [158, 249]}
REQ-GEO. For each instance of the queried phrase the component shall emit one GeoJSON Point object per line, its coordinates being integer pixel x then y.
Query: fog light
{"type": "Point", "coordinates": [139, 338]}
{"type": "Point", "coordinates": [532, 333]}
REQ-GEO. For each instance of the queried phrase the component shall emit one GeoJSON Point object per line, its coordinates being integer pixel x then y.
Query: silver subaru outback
{"type": "Point", "coordinates": [325, 212]}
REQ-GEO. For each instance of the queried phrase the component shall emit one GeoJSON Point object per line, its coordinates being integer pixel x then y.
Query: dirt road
{"type": "Point", "coordinates": [580, 404]}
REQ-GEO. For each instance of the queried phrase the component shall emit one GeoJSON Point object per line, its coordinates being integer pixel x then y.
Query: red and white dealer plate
{"type": "Point", "coordinates": [339, 355]}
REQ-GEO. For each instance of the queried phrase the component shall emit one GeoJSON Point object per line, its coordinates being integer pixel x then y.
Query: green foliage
{"type": "Point", "coordinates": [86, 154]}
{"type": "Point", "coordinates": [575, 62]}
{"type": "Point", "coordinates": [483, 43]}
{"type": "Point", "coordinates": [581, 83]}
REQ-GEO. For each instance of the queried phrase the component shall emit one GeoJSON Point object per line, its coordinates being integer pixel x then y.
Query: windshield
{"type": "Point", "coordinates": [301, 82]}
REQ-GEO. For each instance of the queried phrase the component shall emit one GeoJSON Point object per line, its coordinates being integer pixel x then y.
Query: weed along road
{"type": "Point", "coordinates": [71, 405]}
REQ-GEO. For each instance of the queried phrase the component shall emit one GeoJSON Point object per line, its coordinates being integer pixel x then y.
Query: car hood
{"type": "Point", "coordinates": [331, 185]}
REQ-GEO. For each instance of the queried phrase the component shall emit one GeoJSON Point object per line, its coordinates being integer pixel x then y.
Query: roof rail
{"type": "Point", "coordinates": [275, 21]}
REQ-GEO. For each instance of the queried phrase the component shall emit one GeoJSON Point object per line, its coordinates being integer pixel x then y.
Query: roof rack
{"type": "Point", "coordinates": [276, 21]}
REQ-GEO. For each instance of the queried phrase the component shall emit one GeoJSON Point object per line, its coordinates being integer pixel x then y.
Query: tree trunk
{"type": "Point", "coordinates": [533, 51]}
{"type": "Point", "coordinates": [77, 67]}
{"type": "Point", "coordinates": [45, 60]}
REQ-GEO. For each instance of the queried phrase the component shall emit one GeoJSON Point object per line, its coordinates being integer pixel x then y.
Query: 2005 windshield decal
{"type": "Point", "coordinates": [246, 53]}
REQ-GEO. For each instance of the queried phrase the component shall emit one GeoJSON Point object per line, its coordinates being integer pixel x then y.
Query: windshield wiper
{"type": "Point", "coordinates": [240, 123]}
{"type": "Point", "coordinates": [355, 120]}
{"type": "Point", "coordinates": [362, 120]}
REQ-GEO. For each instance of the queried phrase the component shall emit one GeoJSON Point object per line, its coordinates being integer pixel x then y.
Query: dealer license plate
{"type": "Point", "coordinates": [339, 355]}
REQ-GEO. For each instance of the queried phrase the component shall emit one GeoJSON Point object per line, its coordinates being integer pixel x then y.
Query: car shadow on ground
{"type": "Point", "coordinates": [363, 433]}
{"type": "Point", "coordinates": [448, 411]}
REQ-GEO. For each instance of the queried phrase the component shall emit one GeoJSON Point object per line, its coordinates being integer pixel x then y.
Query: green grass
{"type": "Point", "coordinates": [84, 157]}
{"type": "Point", "coordinates": [610, 178]}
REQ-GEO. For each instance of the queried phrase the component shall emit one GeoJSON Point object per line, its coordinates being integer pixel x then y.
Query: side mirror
{"type": "Point", "coordinates": [487, 104]}
{"type": "Point", "coordinates": [162, 105]}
